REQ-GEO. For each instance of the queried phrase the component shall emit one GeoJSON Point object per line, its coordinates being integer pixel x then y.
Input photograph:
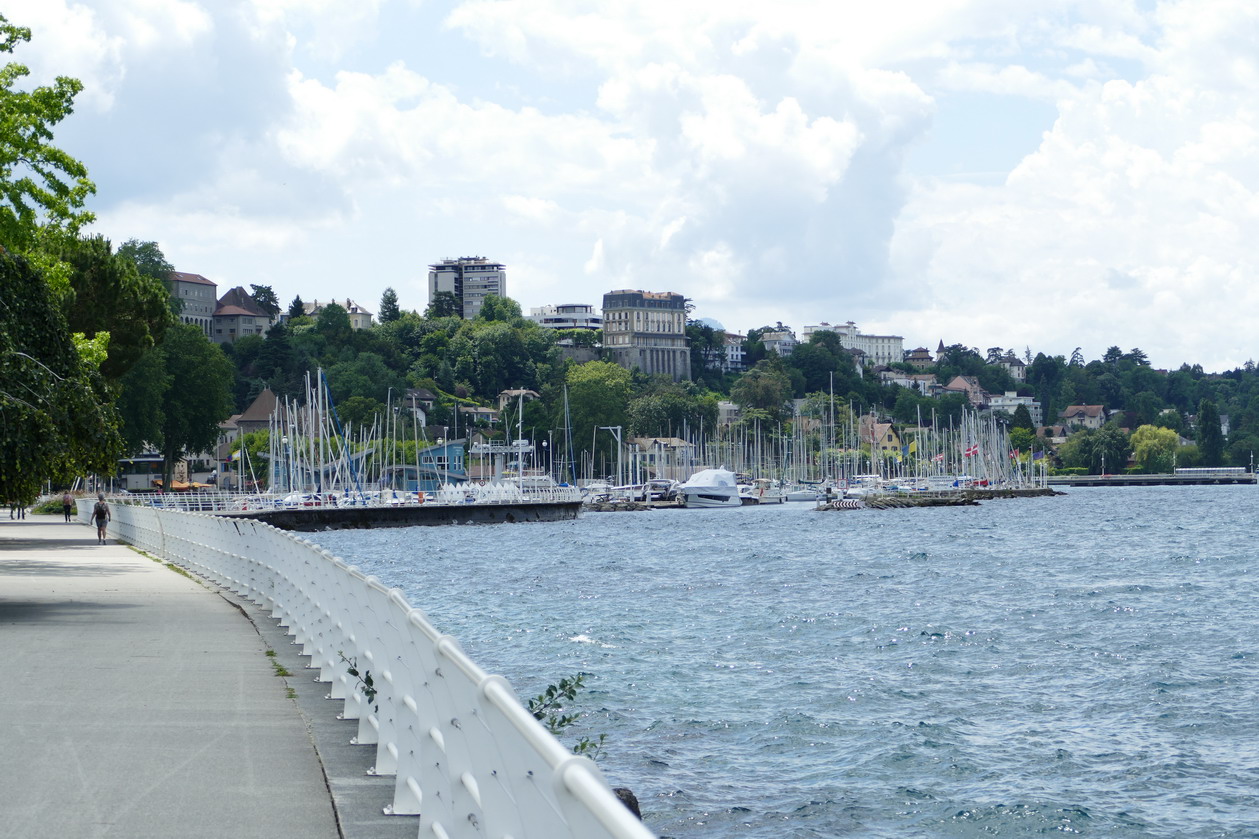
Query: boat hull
{"type": "Point", "coordinates": [710, 497]}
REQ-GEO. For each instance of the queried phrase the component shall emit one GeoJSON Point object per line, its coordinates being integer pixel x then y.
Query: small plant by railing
{"type": "Point", "coordinates": [548, 709]}
{"type": "Point", "coordinates": [366, 684]}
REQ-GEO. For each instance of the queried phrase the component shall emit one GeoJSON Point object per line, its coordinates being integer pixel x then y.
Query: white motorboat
{"type": "Point", "coordinates": [710, 488]}
{"type": "Point", "coordinates": [760, 491]}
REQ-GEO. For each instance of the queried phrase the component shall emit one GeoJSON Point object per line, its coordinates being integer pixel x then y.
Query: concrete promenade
{"type": "Point", "coordinates": [138, 702]}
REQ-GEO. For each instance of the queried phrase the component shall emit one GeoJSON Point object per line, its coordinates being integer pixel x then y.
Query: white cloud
{"type": "Point", "coordinates": [747, 154]}
{"type": "Point", "coordinates": [1132, 224]}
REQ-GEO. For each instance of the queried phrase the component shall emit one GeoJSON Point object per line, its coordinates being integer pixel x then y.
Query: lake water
{"type": "Point", "coordinates": [1083, 664]}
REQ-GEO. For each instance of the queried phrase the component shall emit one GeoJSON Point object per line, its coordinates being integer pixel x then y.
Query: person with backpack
{"type": "Point", "coordinates": [100, 515]}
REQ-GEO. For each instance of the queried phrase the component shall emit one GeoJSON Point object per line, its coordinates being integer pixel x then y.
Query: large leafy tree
{"type": "Point", "coordinates": [265, 297]}
{"type": "Point", "coordinates": [108, 294]}
{"type": "Point", "coordinates": [147, 258]}
{"type": "Point", "coordinates": [598, 394]}
{"type": "Point", "coordinates": [40, 185]}
{"type": "Point", "coordinates": [198, 396]}
{"type": "Point", "coordinates": [55, 418]}
{"type": "Point", "coordinates": [766, 387]}
{"type": "Point", "coordinates": [1210, 435]}
{"type": "Point", "coordinates": [443, 305]}
{"type": "Point", "coordinates": [1154, 448]}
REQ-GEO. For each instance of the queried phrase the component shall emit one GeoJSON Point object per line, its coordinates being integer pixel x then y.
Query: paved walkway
{"type": "Point", "coordinates": [139, 703]}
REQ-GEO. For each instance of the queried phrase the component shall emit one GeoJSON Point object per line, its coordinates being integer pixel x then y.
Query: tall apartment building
{"type": "Point", "coordinates": [647, 330]}
{"type": "Point", "coordinates": [879, 349]}
{"type": "Point", "coordinates": [566, 316]}
{"type": "Point", "coordinates": [470, 279]}
{"type": "Point", "coordinates": [199, 298]}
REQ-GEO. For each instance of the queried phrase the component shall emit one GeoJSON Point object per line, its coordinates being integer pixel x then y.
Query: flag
{"type": "Point", "coordinates": [940, 456]}
{"type": "Point", "coordinates": [234, 456]}
{"type": "Point", "coordinates": [1037, 455]}
{"type": "Point", "coordinates": [972, 450]}
{"type": "Point", "coordinates": [913, 447]}
{"type": "Point", "coordinates": [1014, 454]}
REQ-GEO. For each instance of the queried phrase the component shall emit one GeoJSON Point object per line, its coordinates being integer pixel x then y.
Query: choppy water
{"type": "Point", "coordinates": [1084, 664]}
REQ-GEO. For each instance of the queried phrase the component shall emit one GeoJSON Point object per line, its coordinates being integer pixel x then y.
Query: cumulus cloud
{"type": "Point", "coordinates": [751, 155]}
{"type": "Point", "coordinates": [1129, 225]}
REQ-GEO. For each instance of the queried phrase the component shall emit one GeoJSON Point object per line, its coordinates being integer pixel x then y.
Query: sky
{"type": "Point", "coordinates": [1039, 176]}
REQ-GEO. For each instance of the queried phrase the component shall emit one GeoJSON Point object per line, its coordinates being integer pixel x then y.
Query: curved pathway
{"type": "Point", "coordinates": [139, 703]}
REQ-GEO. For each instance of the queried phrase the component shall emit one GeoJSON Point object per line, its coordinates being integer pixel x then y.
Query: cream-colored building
{"type": "Point", "coordinates": [647, 330]}
{"type": "Point", "coordinates": [880, 350]}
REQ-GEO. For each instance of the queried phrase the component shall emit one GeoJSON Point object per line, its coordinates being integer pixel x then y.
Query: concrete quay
{"type": "Point", "coordinates": [141, 703]}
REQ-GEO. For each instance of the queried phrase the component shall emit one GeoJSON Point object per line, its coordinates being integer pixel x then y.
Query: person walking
{"type": "Point", "coordinates": [100, 515]}
{"type": "Point", "coordinates": [67, 504]}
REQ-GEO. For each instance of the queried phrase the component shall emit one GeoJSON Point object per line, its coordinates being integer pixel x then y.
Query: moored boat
{"type": "Point", "coordinates": [710, 488]}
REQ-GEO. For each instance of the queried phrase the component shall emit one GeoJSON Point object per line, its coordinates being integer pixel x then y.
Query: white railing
{"type": "Point", "coordinates": [466, 754]}
{"type": "Point", "coordinates": [449, 495]}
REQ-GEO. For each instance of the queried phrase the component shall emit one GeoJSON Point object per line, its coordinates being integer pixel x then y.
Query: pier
{"type": "Point", "coordinates": [1200, 479]}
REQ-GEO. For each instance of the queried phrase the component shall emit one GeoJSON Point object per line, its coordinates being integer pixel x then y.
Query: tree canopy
{"type": "Point", "coordinates": [40, 185]}
{"type": "Point", "coordinates": [56, 419]}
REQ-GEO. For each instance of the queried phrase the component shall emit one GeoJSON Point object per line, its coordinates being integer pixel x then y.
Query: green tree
{"type": "Point", "coordinates": [1022, 439]}
{"type": "Point", "coordinates": [140, 394]}
{"type": "Point", "coordinates": [1098, 450]}
{"type": "Point", "coordinates": [444, 305]}
{"type": "Point", "coordinates": [56, 420]}
{"type": "Point", "coordinates": [265, 297]}
{"type": "Point", "coordinates": [1022, 418]}
{"type": "Point", "coordinates": [39, 183]}
{"type": "Point", "coordinates": [1154, 448]}
{"type": "Point", "coordinates": [147, 258]}
{"type": "Point", "coordinates": [108, 294]}
{"type": "Point", "coordinates": [598, 395]}
{"type": "Point", "coordinates": [199, 395]}
{"type": "Point", "coordinates": [297, 308]}
{"type": "Point", "coordinates": [498, 308]}
{"type": "Point", "coordinates": [389, 311]}
{"type": "Point", "coordinates": [766, 387]}
{"type": "Point", "coordinates": [1210, 434]}
{"type": "Point", "coordinates": [333, 324]}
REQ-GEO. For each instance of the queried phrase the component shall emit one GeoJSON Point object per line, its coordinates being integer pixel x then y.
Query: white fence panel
{"type": "Point", "coordinates": [468, 757]}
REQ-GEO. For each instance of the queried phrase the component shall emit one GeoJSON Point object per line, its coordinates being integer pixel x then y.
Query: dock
{"type": "Point", "coordinates": [1202, 479]}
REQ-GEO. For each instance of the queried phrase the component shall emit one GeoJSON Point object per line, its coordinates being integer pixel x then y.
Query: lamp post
{"type": "Point", "coordinates": [616, 432]}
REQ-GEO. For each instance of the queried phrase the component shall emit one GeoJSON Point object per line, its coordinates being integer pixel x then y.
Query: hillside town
{"type": "Point", "coordinates": [459, 390]}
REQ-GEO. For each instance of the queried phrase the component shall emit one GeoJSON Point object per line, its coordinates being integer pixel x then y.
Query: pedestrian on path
{"type": "Point", "coordinates": [67, 504]}
{"type": "Point", "coordinates": [100, 515]}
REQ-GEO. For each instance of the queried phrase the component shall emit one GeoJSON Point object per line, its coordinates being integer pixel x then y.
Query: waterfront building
{"type": "Point", "coordinates": [236, 316]}
{"type": "Point", "coordinates": [734, 360]}
{"type": "Point", "coordinates": [879, 349]}
{"type": "Point", "coordinates": [879, 436]}
{"type": "Point", "coordinates": [924, 383]}
{"type": "Point", "coordinates": [469, 279]}
{"type": "Point", "coordinates": [566, 316]}
{"type": "Point", "coordinates": [197, 298]}
{"type": "Point", "coordinates": [647, 330]}
{"type": "Point", "coordinates": [919, 358]}
{"type": "Point", "coordinates": [360, 318]}
{"type": "Point", "coordinates": [1084, 416]}
{"type": "Point", "coordinates": [1014, 366]}
{"type": "Point", "coordinates": [1010, 401]}
{"type": "Point", "coordinates": [781, 341]}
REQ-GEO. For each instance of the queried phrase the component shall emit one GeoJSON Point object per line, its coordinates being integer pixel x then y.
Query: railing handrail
{"type": "Point", "coordinates": [461, 746]}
